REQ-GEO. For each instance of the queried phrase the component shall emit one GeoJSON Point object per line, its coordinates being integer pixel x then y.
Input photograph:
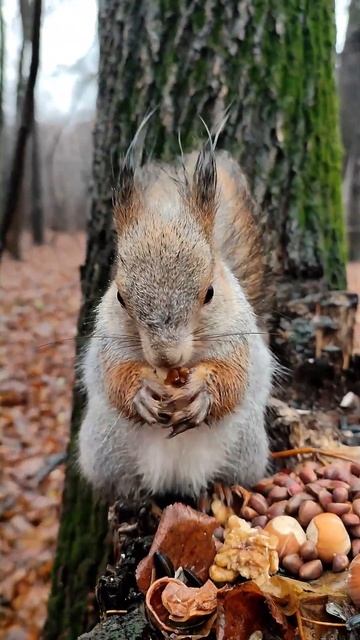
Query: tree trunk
{"type": "Point", "coordinates": [274, 62]}
{"type": "Point", "coordinates": [349, 83]}
{"type": "Point", "coordinates": [24, 128]}
{"type": "Point", "coordinates": [37, 215]}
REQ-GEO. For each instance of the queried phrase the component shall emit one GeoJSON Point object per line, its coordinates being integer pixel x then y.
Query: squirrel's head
{"type": "Point", "coordinates": [165, 263]}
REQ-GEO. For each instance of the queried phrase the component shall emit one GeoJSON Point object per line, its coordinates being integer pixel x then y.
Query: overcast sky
{"type": "Point", "coordinates": [68, 35]}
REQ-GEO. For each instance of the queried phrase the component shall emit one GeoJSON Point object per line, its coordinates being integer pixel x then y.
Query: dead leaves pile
{"type": "Point", "coordinates": [39, 305]}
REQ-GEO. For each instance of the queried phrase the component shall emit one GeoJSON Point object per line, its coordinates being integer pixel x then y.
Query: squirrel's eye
{"type": "Point", "coordinates": [120, 299]}
{"type": "Point", "coordinates": [209, 294]}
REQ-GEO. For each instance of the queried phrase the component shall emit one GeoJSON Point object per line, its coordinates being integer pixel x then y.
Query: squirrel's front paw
{"type": "Point", "coordinates": [149, 402]}
{"type": "Point", "coordinates": [195, 400]}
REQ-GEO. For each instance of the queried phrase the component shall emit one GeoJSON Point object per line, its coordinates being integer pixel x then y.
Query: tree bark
{"type": "Point", "coordinates": [274, 61]}
{"type": "Point", "coordinates": [349, 84]}
{"type": "Point", "coordinates": [27, 110]}
{"type": "Point", "coordinates": [37, 214]}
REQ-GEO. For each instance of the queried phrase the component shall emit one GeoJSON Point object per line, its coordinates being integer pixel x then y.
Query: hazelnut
{"type": "Point", "coordinates": [324, 497]}
{"type": "Point", "coordinates": [292, 563]}
{"type": "Point", "coordinates": [354, 581]}
{"type": "Point", "coordinates": [355, 531]}
{"type": "Point", "coordinates": [294, 488]}
{"type": "Point", "coordinates": [329, 535]}
{"type": "Point", "coordinates": [289, 534]}
{"type": "Point", "coordinates": [248, 513]}
{"type": "Point", "coordinates": [308, 551]}
{"type": "Point", "coordinates": [311, 570]}
{"type": "Point", "coordinates": [340, 563]}
{"type": "Point", "coordinates": [307, 511]}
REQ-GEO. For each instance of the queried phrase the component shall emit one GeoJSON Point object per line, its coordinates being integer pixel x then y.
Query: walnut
{"type": "Point", "coordinates": [245, 552]}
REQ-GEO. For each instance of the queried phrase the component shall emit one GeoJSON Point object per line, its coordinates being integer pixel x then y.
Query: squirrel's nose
{"type": "Point", "coordinates": [168, 362]}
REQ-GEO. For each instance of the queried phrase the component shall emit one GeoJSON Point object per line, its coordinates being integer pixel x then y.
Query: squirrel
{"type": "Point", "coordinates": [188, 289]}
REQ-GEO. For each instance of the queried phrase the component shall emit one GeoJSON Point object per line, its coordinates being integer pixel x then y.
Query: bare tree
{"type": "Point", "coordinates": [24, 129]}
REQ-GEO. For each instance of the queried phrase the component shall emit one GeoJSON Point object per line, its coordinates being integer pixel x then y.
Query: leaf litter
{"type": "Point", "coordinates": [39, 299]}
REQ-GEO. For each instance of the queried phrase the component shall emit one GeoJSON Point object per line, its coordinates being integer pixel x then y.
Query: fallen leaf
{"type": "Point", "coordinates": [185, 536]}
{"type": "Point", "coordinates": [245, 609]}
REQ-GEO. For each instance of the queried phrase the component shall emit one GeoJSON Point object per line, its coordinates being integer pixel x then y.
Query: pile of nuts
{"type": "Point", "coordinates": [314, 511]}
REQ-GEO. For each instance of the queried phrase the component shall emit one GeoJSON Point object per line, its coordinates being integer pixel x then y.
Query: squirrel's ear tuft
{"type": "Point", "coordinates": [124, 194]}
{"type": "Point", "coordinates": [204, 187]}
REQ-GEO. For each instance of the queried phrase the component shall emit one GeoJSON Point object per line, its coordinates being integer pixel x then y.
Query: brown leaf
{"type": "Point", "coordinates": [245, 609]}
{"type": "Point", "coordinates": [185, 536]}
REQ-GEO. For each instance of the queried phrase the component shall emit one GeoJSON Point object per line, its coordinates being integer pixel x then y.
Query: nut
{"type": "Point", "coordinates": [221, 511]}
{"type": "Point", "coordinates": [278, 493]}
{"type": "Point", "coordinates": [337, 472]}
{"type": "Point", "coordinates": [311, 570]}
{"type": "Point", "coordinates": [289, 534]}
{"type": "Point", "coordinates": [350, 519]}
{"type": "Point", "coordinates": [295, 502]}
{"type": "Point", "coordinates": [292, 563]}
{"type": "Point", "coordinates": [219, 574]}
{"type": "Point", "coordinates": [294, 488]}
{"type": "Point", "coordinates": [329, 536]}
{"type": "Point", "coordinates": [264, 486]}
{"type": "Point", "coordinates": [355, 468]}
{"type": "Point", "coordinates": [338, 508]}
{"type": "Point", "coordinates": [356, 506]}
{"type": "Point", "coordinates": [340, 495]}
{"type": "Point", "coordinates": [259, 521]}
{"type": "Point", "coordinates": [307, 475]}
{"type": "Point", "coordinates": [324, 497]}
{"type": "Point", "coordinates": [355, 531]}
{"type": "Point", "coordinates": [277, 509]}
{"type": "Point", "coordinates": [259, 503]}
{"type": "Point", "coordinates": [307, 511]}
{"type": "Point", "coordinates": [355, 547]}
{"type": "Point", "coordinates": [308, 551]}
{"type": "Point", "coordinates": [340, 563]}
{"type": "Point", "coordinates": [282, 479]}
{"type": "Point", "coordinates": [248, 513]}
{"type": "Point", "coordinates": [354, 581]}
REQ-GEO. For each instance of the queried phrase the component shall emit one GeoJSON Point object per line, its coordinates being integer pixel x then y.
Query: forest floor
{"type": "Point", "coordinates": [39, 300]}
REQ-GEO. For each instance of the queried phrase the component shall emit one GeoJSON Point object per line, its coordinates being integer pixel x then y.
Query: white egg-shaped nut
{"type": "Point", "coordinates": [329, 536]}
{"type": "Point", "coordinates": [289, 533]}
{"type": "Point", "coordinates": [353, 582]}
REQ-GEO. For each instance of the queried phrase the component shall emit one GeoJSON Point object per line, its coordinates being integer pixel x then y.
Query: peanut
{"type": "Point", "coordinates": [325, 498]}
{"type": "Point", "coordinates": [248, 513]}
{"type": "Point", "coordinates": [355, 547]}
{"type": "Point", "coordinates": [294, 488]}
{"type": "Point", "coordinates": [295, 502]}
{"type": "Point", "coordinates": [277, 509]}
{"type": "Point", "coordinates": [278, 493]}
{"type": "Point", "coordinates": [355, 468]}
{"type": "Point", "coordinates": [338, 508]}
{"type": "Point", "coordinates": [311, 570]}
{"type": "Point", "coordinates": [259, 521]}
{"type": "Point", "coordinates": [258, 502]}
{"type": "Point", "coordinates": [340, 495]}
{"type": "Point", "coordinates": [355, 531]}
{"type": "Point", "coordinates": [307, 511]}
{"type": "Point", "coordinates": [307, 475]}
{"type": "Point", "coordinates": [292, 563]}
{"type": "Point", "coordinates": [356, 506]}
{"type": "Point", "coordinates": [308, 551]}
{"type": "Point", "coordinates": [340, 563]}
{"type": "Point", "coordinates": [350, 519]}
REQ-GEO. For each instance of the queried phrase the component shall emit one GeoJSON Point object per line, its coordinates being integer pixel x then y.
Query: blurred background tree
{"type": "Point", "coordinates": [275, 63]}
{"type": "Point", "coordinates": [349, 85]}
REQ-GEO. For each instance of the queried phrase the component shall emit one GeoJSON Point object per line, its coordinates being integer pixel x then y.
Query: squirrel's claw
{"type": "Point", "coordinates": [147, 403]}
{"type": "Point", "coordinates": [195, 413]}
